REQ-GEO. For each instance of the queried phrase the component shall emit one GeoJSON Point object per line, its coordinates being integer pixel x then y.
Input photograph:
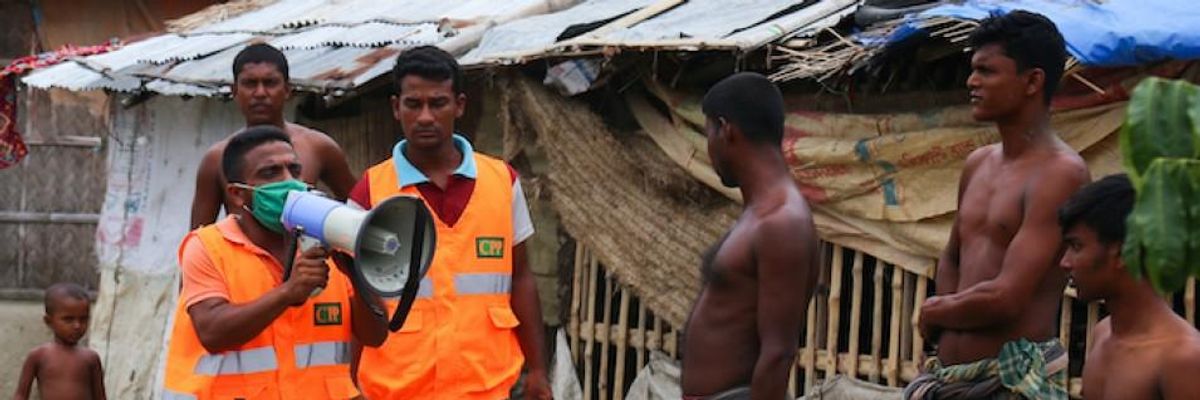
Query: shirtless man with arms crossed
{"type": "Point", "coordinates": [1143, 350]}
{"type": "Point", "coordinates": [261, 89]}
{"type": "Point", "coordinates": [998, 291]}
{"type": "Point", "coordinates": [741, 338]}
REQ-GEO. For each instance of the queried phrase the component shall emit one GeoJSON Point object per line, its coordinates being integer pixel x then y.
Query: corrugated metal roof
{"type": "Point", "coordinates": [332, 46]}
{"type": "Point", "coordinates": [662, 25]}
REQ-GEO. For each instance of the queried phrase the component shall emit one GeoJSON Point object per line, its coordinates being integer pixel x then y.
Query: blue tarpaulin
{"type": "Point", "coordinates": [1099, 32]}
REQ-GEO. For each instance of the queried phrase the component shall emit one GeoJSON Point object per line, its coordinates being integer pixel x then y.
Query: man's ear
{"type": "Point", "coordinates": [1035, 81]}
{"type": "Point", "coordinates": [728, 131]}
{"type": "Point", "coordinates": [1114, 254]}
{"type": "Point", "coordinates": [46, 319]}
{"type": "Point", "coordinates": [395, 106]}
{"type": "Point", "coordinates": [233, 195]}
{"type": "Point", "coordinates": [460, 100]}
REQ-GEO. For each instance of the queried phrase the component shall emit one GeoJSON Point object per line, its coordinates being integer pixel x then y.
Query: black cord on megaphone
{"type": "Point", "coordinates": [291, 252]}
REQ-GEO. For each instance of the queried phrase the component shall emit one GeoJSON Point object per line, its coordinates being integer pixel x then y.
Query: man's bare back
{"type": "Point", "coordinates": [321, 157]}
{"type": "Point", "coordinates": [1162, 362]}
{"type": "Point", "coordinates": [64, 372]}
{"type": "Point", "coordinates": [1006, 219]}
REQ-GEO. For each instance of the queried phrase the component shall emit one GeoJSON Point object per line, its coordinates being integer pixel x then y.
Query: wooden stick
{"type": "Point", "coordinates": [835, 307]}
{"type": "Point", "coordinates": [810, 346]}
{"type": "Point", "coordinates": [893, 377]}
{"type": "Point", "coordinates": [622, 341]}
{"type": "Point", "coordinates": [906, 312]}
{"type": "Point", "coordinates": [792, 376]}
{"type": "Point", "coordinates": [877, 324]}
{"type": "Point", "coordinates": [641, 326]}
{"type": "Point", "coordinates": [580, 270]}
{"type": "Point", "coordinates": [1064, 328]}
{"type": "Point", "coordinates": [1189, 301]}
{"type": "Point", "coordinates": [1093, 314]}
{"type": "Point", "coordinates": [606, 340]}
{"type": "Point", "coordinates": [589, 348]}
{"type": "Point", "coordinates": [918, 345]}
{"type": "Point", "coordinates": [856, 296]}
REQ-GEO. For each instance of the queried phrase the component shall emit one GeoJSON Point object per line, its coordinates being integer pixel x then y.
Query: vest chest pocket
{"type": "Point", "coordinates": [503, 317]}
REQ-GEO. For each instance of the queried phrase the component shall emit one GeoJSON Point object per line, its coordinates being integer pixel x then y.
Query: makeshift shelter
{"type": "Point", "coordinates": [877, 144]}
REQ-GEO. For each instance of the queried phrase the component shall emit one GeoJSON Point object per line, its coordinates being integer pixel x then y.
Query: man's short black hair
{"type": "Point", "coordinates": [750, 101]}
{"type": "Point", "coordinates": [234, 157]}
{"type": "Point", "coordinates": [61, 290]}
{"type": "Point", "coordinates": [429, 62]}
{"type": "Point", "coordinates": [1102, 205]}
{"type": "Point", "coordinates": [1030, 39]}
{"type": "Point", "coordinates": [260, 53]}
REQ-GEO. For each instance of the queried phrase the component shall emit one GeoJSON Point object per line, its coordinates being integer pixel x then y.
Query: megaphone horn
{"type": "Point", "coordinates": [392, 244]}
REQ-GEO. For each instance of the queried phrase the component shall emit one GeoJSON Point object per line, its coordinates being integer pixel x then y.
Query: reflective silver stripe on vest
{"type": "Point", "coordinates": [322, 353]}
{"type": "Point", "coordinates": [169, 395]}
{"type": "Point", "coordinates": [238, 362]}
{"type": "Point", "coordinates": [483, 283]}
{"type": "Point", "coordinates": [425, 290]}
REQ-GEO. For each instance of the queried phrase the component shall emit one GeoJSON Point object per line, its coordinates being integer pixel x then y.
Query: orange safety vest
{"type": "Point", "coordinates": [303, 354]}
{"type": "Point", "coordinates": [458, 341]}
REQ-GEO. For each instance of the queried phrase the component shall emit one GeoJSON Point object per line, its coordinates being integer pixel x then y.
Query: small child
{"type": "Point", "coordinates": [64, 370]}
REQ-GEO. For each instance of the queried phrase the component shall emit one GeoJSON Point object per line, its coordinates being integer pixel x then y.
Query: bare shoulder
{"type": "Point", "coordinates": [89, 355]}
{"type": "Point", "coordinates": [309, 134]}
{"type": "Point", "coordinates": [37, 353]}
{"type": "Point", "coordinates": [790, 221]}
{"type": "Point", "coordinates": [1183, 359]}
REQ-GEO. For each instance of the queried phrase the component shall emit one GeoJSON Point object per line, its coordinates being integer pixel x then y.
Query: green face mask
{"type": "Point", "coordinates": [269, 199]}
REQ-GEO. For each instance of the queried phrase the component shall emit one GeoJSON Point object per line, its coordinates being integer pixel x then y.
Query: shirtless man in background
{"type": "Point", "coordinates": [741, 338]}
{"type": "Point", "coordinates": [1143, 350]}
{"type": "Point", "coordinates": [998, 288]}
{"type": "Point", "coordinates": [261, 89]}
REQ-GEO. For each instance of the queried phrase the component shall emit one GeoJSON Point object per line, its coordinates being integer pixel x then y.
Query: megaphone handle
{"type": "Point", "coordinates": [414, 275]}
{"type": "Point", "coordinates": [291, 252]}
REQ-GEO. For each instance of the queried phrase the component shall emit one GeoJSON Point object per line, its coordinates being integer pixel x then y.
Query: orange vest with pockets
{"type": "Point", "coordinates": [303, 354]}
{"type": "Point", "coordinates": [458, 341]}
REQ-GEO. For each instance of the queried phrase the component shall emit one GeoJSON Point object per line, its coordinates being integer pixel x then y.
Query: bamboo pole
{"type": "Point", "coordinates": [906, 312]}
{"type": "Point", "coordinates": [893, 377]}
{"type": "Point", "coordinates": [579, 271]}
{"type": "Point", "coordinates": [590, 325]}
{"type": "Point", "coordinates": [606, 340]}
{"type": "Point", "coordinates": [856, 296]}
{"type": "Point", "coordinates": [834, 316]}
{"type": "Point", "coordinates": [810, 346]}
{"type": "Point", "coordinates": [641, 329]}
{"type": "Point", "coordinates": [877, 324]}
{"type": "Point", "coordinates": [622, 341]}
{"type": "Point", "coordinates": [1064, 329]}
{"type": "Point", "coordinates": [918, 344]}
{"type": "Point", "coordinates": [1093, 313]}
{"type": "Point", "coordinates": [1189, 301]}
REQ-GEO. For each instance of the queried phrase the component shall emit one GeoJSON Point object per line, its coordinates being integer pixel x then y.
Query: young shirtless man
{"type": "Point", "coordinates": [1143, 350]}
{"type": "Point", "coordinates": [998, 290]}
{"type": "Point", "coordinates": [741, 338]}
{"type": "Point", "coordinates": [261, 89]}
{"type": "Point", "coordinates": [62, 368]}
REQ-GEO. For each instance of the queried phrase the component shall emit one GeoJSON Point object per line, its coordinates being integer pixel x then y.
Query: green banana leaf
{"type": "Point", "coordinates": [1159, 221]}
{"type": "Point", "coordinates": [1160, 122]}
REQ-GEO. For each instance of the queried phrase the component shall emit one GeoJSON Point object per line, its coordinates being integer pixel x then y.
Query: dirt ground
{"type": "Point", "coordinates": [22, 329]}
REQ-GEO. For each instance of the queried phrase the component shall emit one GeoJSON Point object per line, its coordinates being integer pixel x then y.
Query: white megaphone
{"type": "Point", "coordinates": [392, 244]}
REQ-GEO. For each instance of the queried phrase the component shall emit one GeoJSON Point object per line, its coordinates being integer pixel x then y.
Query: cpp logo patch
{"type": "Point", "coordinates": [489, 247]}
{"type": "Point", "coordinates": [327, 314]}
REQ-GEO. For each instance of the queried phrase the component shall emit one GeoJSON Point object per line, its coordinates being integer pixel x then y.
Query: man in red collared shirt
{"type": "Point", "coordinates": [477, 317]}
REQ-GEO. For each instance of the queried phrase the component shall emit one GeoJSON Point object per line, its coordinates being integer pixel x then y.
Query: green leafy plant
{"type": "Point", "coordinates": [1160, 146]}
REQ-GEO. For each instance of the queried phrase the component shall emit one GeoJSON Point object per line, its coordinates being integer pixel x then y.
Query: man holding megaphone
{"type": "Point", "coordinates": [241, 329]}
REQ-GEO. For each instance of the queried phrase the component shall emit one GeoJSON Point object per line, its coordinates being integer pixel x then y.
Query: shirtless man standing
{"type": "Point", "coordinates": [261, 89]}
{"type": "Point", "coordinates": [998, 291]}
{"type": "Point", "coordinates": [1143, 350]}
{"type": "Point", "coordinates": [741, 338]}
